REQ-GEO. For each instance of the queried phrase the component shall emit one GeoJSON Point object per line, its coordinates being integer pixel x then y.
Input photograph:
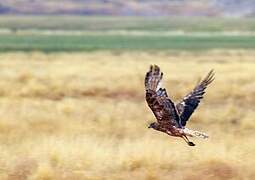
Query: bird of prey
{"type": "Point", "coordinates": [171, 118]}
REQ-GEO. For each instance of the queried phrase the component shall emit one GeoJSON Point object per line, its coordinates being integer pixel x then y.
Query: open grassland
{"type": "Point", "coordinates": [76, 33]}
{"type": "Point", "coordinates": [83, 116]}
{"type": "Point", "coordinates": [131, 42]}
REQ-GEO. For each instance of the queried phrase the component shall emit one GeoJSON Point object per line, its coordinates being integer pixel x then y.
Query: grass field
{"type": "Point", "coordinates": [75, 33]}
{"type": "Point", "coordinates": [97, 23]}
{"type": "Point", "coordinates": [71, 43]}
{"type": "Point", "coordinates": [83, 116]}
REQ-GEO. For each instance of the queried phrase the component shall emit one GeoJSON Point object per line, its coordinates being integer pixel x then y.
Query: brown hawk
{"type": "Point", "coordinates": [172, 119]}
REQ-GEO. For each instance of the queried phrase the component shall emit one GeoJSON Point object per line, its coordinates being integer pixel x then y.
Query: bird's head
{"type": "Point", "coordinates": [153, 125]}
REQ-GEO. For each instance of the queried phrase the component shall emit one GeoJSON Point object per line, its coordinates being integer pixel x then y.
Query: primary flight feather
{"type": "Point", "coordinates": [171, 118]}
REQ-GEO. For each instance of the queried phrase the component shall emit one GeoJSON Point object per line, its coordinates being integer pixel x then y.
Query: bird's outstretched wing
{"type": "Point", "coordinates": [162, 107]}
{"type": "Point", "coordinates": [190, 102]}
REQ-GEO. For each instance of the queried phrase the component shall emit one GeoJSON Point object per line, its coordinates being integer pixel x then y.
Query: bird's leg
{"type": "Point", "coordinates": [187, 141]}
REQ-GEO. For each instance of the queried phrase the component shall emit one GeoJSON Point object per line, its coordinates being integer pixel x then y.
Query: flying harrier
{"type": "Point", "coordinates": [172, 119]}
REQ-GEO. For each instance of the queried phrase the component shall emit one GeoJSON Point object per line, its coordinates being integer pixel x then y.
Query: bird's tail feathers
{"type": "Point", "coordinates": [193, 133]}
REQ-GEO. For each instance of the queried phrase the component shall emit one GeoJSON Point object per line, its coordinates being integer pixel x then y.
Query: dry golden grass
{"type": "Point", "coordinates": [83, 116]}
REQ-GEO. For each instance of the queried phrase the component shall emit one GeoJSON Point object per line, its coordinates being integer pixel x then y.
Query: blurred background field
{"type": "Point", "coordinates": [79, 33]}
{"type": "Point", "coordinates": [72, 88]}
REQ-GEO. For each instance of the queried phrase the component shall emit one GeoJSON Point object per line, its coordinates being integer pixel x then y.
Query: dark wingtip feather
{"type": "Point", "coordinates": [151, 67]}
{"type": "Point", "coordinates": [156, 66]}
{"type": "Point", "coordinates": [209, 78]}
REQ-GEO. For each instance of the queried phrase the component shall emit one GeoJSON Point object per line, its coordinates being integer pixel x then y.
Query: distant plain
{"type": "Point", "coordinates": [77, 33]}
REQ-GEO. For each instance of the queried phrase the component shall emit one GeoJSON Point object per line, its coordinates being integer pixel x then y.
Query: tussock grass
{"type": "Point", "coordinates": [83, 116]}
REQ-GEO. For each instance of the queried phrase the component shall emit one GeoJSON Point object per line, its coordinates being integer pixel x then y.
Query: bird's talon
{"type": "Point", "coordinates": [191, 144]}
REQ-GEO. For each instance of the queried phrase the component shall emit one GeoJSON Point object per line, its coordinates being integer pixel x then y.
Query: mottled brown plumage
{"type": "Point", "coordinates": [172, 119]}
